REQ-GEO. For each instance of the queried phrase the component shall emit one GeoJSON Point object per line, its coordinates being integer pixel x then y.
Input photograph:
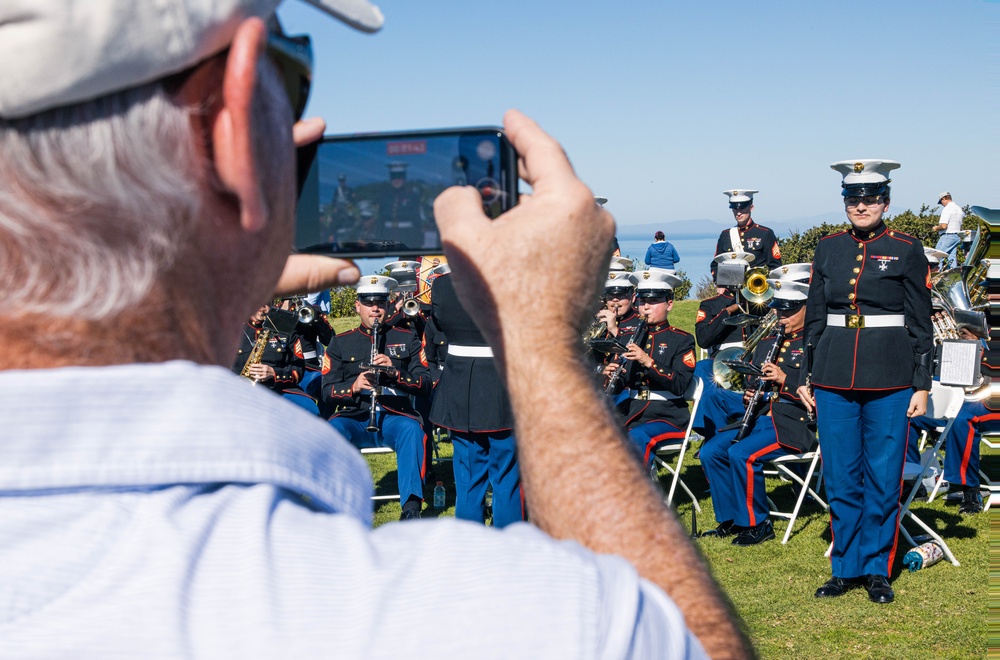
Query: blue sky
{"type": "Point", "coordinates": [662, 105]}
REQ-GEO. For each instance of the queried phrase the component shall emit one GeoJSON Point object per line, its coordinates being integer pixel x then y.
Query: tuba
{"type": "Point", "coordinates": [724, 375]}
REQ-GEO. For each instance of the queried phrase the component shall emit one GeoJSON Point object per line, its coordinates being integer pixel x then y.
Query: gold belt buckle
{"type": "Point", "coordinates": [643, 395]}
{"type": "Point", "coordinates": [855, 321]}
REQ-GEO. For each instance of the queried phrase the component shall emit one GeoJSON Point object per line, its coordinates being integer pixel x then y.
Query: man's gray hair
{"type": "Point", "coordinates": [95, 201]}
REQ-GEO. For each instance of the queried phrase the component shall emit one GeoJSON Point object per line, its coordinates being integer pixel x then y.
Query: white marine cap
{"type": "Point", "coordinates": [375, 286]}
{"type": "Point", "coordinates": [654, 283]}
{"type": "Point", "coordinates": [943, 195]}
{"type": "Point", "coordinates": [621, 263]}
{"type": "Point", "coordinates": [733, 256]}
{"type": "Point", "coordinates": [934, 256]}
{"type": "Point", "coordinates": [792, 273]}
{"type": "Point", "coordinates": [59, 52]}
{"type": "Point", "coordinates": [402, 265]}
{"type": "Point", "coordinates": [618, 279]}
{"type": "Point", "coordinates": [867, 176]}
{"type": "Point", "coordinates": [405, 274]}
{"type": "Point", "coordinates": [440, 269]}
{"type": "Point", "coordinates": [788, 294]}
{"type": "Point", "coordinates": [740, 195]}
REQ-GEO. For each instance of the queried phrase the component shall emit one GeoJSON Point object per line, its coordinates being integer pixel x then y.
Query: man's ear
{"type": "Point", "coordinates": [232, 128]}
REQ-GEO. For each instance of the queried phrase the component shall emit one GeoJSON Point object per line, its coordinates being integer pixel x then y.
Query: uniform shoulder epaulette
{"type": "Point", "coordinates": [901, 236]}
{"type": "Point", "coordinates": [679, 331]}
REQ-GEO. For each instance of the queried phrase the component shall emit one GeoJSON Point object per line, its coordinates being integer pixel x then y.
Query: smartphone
{"type": "Point", "coordinates": [372, 195]}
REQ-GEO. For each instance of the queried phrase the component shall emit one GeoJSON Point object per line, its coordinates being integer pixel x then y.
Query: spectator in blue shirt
{"type": "Point", "coordinates": [661, 254]}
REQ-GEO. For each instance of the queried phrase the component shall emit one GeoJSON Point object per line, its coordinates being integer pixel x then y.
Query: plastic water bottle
{"type": "Point", "coordinates": [926, 554]}
{"type": "Point", "coordinates": [439, 495]}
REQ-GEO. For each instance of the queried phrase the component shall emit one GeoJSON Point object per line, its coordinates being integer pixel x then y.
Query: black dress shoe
{"type": "Point", "coordinates": [879, 590]}
{"type": "Point", "coordinates": [723, 530]}
{"type": "Point", "coordinates": [757, 534]}
{"type": "Point", "coordinates": [836, 586]}
{"type": "Point", "coordinates": [972, 502]}
{"type": "Point", "coordinates": [410, 513]}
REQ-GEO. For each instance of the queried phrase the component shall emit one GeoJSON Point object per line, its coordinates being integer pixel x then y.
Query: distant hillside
{"type": "Point", "coordinates": [702, 228]}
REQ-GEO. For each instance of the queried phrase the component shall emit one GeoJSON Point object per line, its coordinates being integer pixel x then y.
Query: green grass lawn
{"type": "Point", "coordinates": [940, 612]}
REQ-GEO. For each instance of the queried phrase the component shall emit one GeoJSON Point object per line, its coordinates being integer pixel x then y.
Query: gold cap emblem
{"type": "Point", "coordinates": [374, 280]}
{"type": "Point", "coordinates": [612, 276]}
{"type": "Point", "coordinates": [645, 275]}
{"type": "Point", "coordinates": [777, 285]}
{"type": "Point", "coordinates": [784, 270]}
{"type": "Point", "coordinates": [859, 167]}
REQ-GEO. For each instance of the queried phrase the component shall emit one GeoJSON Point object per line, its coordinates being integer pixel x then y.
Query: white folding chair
{"type": "Point", "coordinates": [780, 464]}
{"type": "Point", "coordinates": [944, 403]}
{"type": "Point", "coordinates": [693, 394]}
{"type": "Point", "coordinates": [380, 450]}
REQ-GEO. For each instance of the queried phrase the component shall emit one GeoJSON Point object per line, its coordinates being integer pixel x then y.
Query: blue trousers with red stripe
{"type": "Point", "coordinates": [735, 472]}
{"type": "Point", "coordinates": [717, 404]}
{"type": "Point", "coordinates": [482, 459]}
{"type": "Point", "coordinates": [647, 437]}
{"type": "Point", "coordinates": [863, 437]}
{"type": "Point", "coordinates": [961, 457]}
{"type": "Point", "coordinates": [401, 434]}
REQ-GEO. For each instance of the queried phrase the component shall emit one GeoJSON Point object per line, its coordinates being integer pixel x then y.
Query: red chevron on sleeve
{"type": "Point", "coordinates": [775, 252]}
{"type": "Point", "coordinates": [326, 363]}
{"type": "Point", "coordinates": [701, 316]}
{"type": "Point", "coordinates": [689, 359]}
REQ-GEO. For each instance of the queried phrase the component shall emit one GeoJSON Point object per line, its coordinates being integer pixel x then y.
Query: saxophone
{"type": "Point", "coordinates": [255, 354]}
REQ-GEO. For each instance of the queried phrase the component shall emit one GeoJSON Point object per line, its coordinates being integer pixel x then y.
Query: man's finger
{"type": "Point", "coordinates": [307, 131]}
{"type": "Point", "coordinates": [309, 273]}
{"type": "Point", "coordinates": [542, 159]}
{"type": "Point", "coordinates": [459, 214]}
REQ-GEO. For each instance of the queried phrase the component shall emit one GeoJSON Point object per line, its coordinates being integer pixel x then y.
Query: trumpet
{"type": "Point", "coordinates": [306, 314]}
{"type": "Point", "coordinates": [756, 289]}
{"type": "Point", "coordinates": [411, 307]}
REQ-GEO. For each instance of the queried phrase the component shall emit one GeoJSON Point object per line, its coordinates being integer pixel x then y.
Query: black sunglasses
{"type": "Point", "coordinates": [294, 58]}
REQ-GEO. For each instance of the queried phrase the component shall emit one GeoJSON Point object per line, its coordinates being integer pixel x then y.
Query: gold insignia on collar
{"type": "Point", "coordinates": [645, 275]}
{"type": "Point", "coordinates": [859, 167]}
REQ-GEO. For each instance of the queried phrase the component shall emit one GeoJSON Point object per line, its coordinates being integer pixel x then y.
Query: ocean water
{"type": "Point", "coordinates": [696, 254]}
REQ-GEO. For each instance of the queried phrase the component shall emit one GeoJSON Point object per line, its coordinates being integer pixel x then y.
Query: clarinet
{"type": "Point", "coordinates": [640, 329]}
{"type": "Point", "coordinates": [764, 386]}
{"type": "Point", "coordinates": [373, 402]}
{"type": "Point", "coordinates": [809, 377]}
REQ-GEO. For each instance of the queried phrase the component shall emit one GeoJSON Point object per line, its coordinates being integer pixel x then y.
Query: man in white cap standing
{"type": "Point", "coordinates": [153, 504]}
{"type": "Point", "coordinates": [950, 226]}
{"type": "Point", "coordinates": [747, 235]}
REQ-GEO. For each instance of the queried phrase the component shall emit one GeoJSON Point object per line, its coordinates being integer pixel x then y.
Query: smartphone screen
{"type": "Point", "coordinates": [372, 195]}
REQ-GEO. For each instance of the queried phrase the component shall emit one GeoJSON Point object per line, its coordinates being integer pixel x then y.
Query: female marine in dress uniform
{"type": "Point", "coordinates": [868, 321]}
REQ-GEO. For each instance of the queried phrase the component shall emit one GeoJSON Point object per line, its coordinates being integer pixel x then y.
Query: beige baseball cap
{"type": "Point", "coordinates": [59, 52]}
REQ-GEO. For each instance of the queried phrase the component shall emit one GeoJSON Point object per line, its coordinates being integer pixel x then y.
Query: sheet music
{"type": "Point", "coordinates": [959, 362]}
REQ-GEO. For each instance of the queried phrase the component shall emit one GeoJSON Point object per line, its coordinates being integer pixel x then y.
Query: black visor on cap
{"type": "Point", "coordinates": [865, 189]}
{"type": "Point", "coordinates": [785, 305]}
{"type": "Point", "coordinates": [374, 297]}
{"type": "Point", "coordinates": [618, 291]}
{"type": "Point", "coordinates": [655, 293]}
{"type": "Point", "coordinates": [740, 206]}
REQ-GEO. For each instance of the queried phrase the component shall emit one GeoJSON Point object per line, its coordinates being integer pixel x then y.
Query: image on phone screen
{"type": "Point", "coordinates": [373, 195]}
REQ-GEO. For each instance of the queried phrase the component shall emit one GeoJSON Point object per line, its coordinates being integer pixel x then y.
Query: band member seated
{"type": "Point", "coordinates": [715, 334]}
{"type": "Point", "coordinates": [657, 369]}
{"type": "Point", "coordinates": [747, 236]}
{"type": "Point", "coordinates": [778, 424]}
{"type": "Point", "coordinates": [312, 326]}
{"type": "Point", "coordinates": [370, 385]}
{"type": "Point", "coordinates": [471, 401]}
{"type": "Point", "coordinates": [270, 354]}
